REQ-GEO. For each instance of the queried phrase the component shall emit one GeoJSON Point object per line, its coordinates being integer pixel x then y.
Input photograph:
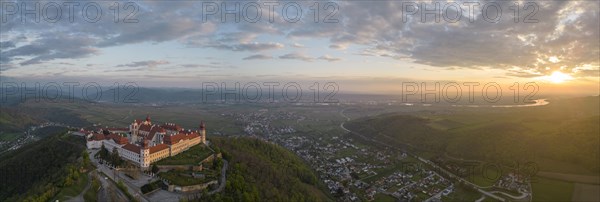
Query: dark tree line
{"type": "Point", "coordinates": [112, 158]}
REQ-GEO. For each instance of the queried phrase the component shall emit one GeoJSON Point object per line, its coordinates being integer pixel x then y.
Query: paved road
{"type": "Point", "coordinates": [107, 188]}
{"type": "Point", "coordinates": [223, 179]}
{"type": "Point", "coordinates": [522, 196]}
{"type": "Point", "coordinates": [131, 188]}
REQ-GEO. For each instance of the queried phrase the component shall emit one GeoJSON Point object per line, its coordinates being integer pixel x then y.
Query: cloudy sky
{"type": "Point", "coordinates": [364, 44]}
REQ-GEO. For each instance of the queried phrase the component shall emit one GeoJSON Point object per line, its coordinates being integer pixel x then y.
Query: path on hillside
{"type": "Point", "coordinates": [87, 186]}
{"type": "Point", "coordinates": [223, 179]}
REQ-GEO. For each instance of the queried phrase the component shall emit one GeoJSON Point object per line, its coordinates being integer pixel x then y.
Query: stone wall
{"type": "Point", "coordinates": [191, 167]}
{"type": "Point", "coordinates": [181, 167]}
{"type": "Point", "coordinates": [191, 188]}
{"type": "Point", "coordinates": [211, 158]}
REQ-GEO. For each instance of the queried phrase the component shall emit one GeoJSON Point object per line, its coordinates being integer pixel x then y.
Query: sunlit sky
{"type": "Point", "coordinates": [371, 47]}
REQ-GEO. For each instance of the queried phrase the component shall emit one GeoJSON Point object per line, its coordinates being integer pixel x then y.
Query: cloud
{"type": "Point", "coordinates": [297, 56]}
{"type": "Point", "coordinates": [5, 67]}
{"type": "Point", "coordinates": [240, 37]}
{"type": "Point", "coordinates": [254, 46]}
{"type": "Point", "coordinates": [148, 63]}
{"type": "Point", "coordinates": [297, 45]}
{"type": "Point", "coordinates": [164, 31]}
{"type": "Point", "coordinates": [523, 74]}
{"type": "Point", "coordinates": [49, 47]}
{"type": "Point", "coordinates": [329, 58]}
{"type": "Point", "coordinates": [214, 65]}
{"type": "Point", "coordinates": [337, 46]}
{"type": "Point", "coordinates": [7, 44]}
{"type": "Point", "coordinates": [258, 57]}
{"type": "Point", "coordinates": [566, 30]}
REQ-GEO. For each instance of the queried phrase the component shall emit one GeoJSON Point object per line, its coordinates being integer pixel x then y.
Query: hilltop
{"type": "Point", "coordinates": [263, 171]}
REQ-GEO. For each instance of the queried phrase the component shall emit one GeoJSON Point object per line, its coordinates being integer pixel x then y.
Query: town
{"type": "Point", "coordinates": [353, 170]}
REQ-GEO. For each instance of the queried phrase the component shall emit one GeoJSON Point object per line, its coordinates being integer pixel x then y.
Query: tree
{"type": "Point", "coordinates": [86, 158]}
{"type": "Point", "coordinates": [217, 164]}
{"type": "Point", "coordinates": [155, 169]}
{"type": "Point", "coordinates": [115, 158]}
{"type": "Point", "coordinates": [103, 153]}
{"type": "Point", "coordinates": [68, 182]}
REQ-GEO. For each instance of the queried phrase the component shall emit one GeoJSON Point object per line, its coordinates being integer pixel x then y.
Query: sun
{"type": "Point", "coordinates": [558, 77]}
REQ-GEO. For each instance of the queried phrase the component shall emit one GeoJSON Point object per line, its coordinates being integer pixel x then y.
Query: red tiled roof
{"type": "Point", "coordinates": [171, 126]}
{"type": "Point", "coordinates": [132, 147]}
{"type": "Point", "coordinates": [158, 147]}
{"type": "Point", "coordinates": [192, 136]}
{"type": "Point", "coordinates": [97, 137]}
{"type": "Point", "coordinates": [118, 139]}
{"type": "Point", "coordinates": [117, 129]}
{"type": "Point", "coordinates": [174, 139]}
{"type": "Point", "coordinates": [146, 127]}
{"type": "Point", "coordinates": [153, 131]}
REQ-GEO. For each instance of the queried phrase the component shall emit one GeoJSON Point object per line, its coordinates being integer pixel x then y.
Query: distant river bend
{"type": "Point", "coordinates": [538, 102]}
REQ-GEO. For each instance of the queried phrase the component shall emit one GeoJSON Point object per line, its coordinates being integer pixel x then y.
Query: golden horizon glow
{"type": "Point", "coordinates": [558, 77]}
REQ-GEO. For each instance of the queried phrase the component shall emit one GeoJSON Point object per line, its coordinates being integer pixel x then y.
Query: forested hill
{"type": "Point", "coordinates": [262, 171]}
{"type": "Point", "coordinates": [37, 171]}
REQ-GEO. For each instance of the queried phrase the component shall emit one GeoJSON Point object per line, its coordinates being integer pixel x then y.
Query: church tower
{"type": "Point", "coordinates": [202, 132]}
{"type": "Point", "coordinates": [133, 130]}
{"type": "Point", "coordinates": [148, 121]}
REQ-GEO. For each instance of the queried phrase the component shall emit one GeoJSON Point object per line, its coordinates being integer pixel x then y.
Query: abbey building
{"type": "Point", "coordinates": [144, 143]}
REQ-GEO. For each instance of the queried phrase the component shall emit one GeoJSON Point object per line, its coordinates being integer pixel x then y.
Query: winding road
{"type": "Point", "coordinates": [223, 179]}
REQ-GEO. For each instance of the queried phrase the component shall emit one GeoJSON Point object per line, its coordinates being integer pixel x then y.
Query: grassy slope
{"type": "Point", "coordinates": [73, 190]}
{"type": "Point", "coordinates": [192, 156]}
{"type": "Point", "coordinates": [12, 120]}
